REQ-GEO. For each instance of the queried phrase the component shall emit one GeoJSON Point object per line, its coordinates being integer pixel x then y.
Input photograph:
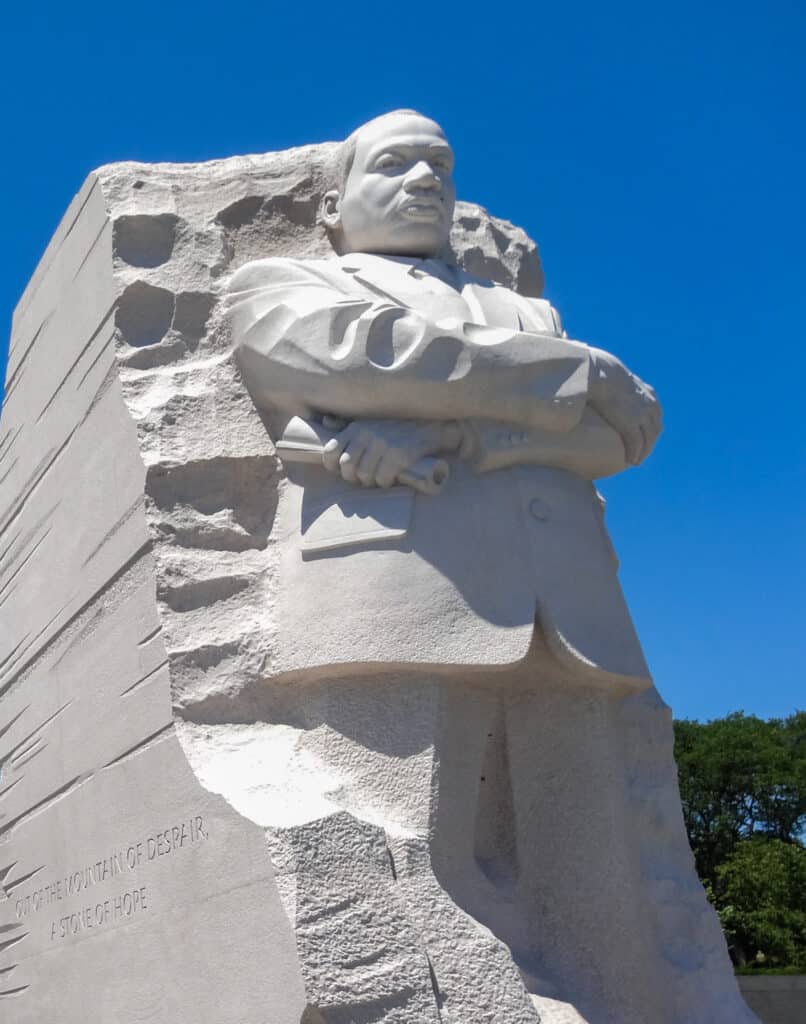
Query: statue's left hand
{"type": "Point", "coordinates": [628, 404]}
{"type": "Point", "coordinates": [375, 452]}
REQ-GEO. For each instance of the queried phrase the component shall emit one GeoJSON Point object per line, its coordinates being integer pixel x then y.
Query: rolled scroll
{"type": "Point", "coordinates": [304, 441]}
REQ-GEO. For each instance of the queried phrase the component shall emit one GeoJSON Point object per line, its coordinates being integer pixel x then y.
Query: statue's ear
{"type": "Point", "coordinates": [330, 213]}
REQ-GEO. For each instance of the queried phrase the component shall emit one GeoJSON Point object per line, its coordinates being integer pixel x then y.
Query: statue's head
{"type": "Point", "coordinates": [396, 194]}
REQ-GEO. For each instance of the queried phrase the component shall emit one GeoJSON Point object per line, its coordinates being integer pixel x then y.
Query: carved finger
{"type": "Point", "coordinates": [334, 448]}
{"type": "Point", "coordinates": [350, 459]}
{"type": "Point", "coordinates": [633, 443]}
{"type": "Point", "coordinates": [368, 466]}
{"type": "Point", "coordinates": [651, 431]}
{"type": "Point", "coordinates": [331, 454]}
{"type": "Point", "coordinates": [388, 469]}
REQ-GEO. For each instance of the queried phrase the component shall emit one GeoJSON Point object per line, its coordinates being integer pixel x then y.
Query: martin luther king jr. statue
{"type": "Point", "coordinates": [449, 612]}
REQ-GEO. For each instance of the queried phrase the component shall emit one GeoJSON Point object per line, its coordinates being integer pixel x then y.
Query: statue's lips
{"type": "Point", "coordinates": [423, 209]}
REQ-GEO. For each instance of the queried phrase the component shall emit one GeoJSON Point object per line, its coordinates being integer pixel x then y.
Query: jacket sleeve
{"type": "Point", "coordinates": [306, 346]}
{"type": "Point", "coordinates": [591, 450]}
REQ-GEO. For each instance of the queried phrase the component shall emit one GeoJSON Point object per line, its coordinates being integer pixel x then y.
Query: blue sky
{"type": "Point", "coordinates": [657, 153]}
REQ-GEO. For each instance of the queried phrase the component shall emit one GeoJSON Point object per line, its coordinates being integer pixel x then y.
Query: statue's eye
{"type": "Point", "coordinates": [387, 161]}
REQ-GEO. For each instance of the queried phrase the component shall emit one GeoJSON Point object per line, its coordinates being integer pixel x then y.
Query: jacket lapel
{"type": "Point", "coordinates": [421, 285]}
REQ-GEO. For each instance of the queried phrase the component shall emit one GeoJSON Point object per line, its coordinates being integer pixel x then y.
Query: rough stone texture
{"type": "Point", "coordinates": [103, 917]}
{"type": "Point", "coordinates": [332, 879]}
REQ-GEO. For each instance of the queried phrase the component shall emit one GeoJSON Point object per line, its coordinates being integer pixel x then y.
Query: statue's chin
{"type": "Point", "coordinates": [420, 252]}
{"type": "Point", "coordinates": [417, 240]}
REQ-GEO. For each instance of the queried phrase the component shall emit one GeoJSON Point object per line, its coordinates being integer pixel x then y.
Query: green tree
{"type": "Point", "coordinates": [740, 776]}
{"type": "Point", "coordinates": [743, 789]}
{"type": "Point", "coordinates": [761, 900]}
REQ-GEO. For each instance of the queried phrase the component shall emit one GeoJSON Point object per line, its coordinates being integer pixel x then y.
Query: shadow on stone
{"type": "Point", "coordinates": [145, 241]}
{"type": "Point", "coordinates": [144, 314]}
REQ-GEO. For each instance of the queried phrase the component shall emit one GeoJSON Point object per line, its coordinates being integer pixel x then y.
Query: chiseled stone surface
{"type": "Point", "coordinates": [127, 892]}
{"type": "Point", "coordinates": [185, 838]}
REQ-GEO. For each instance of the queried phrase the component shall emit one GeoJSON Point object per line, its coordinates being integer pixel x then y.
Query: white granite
{"type": "Point", "coordinates": [119, 874]}
{"type": "Point", "coordinates": [356, 786]}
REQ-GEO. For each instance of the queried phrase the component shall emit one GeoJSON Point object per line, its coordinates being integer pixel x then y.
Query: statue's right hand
{"type": "Point", "coordinates": [625, 402]}
{"type": "Point", "coordinates": [375, 452]}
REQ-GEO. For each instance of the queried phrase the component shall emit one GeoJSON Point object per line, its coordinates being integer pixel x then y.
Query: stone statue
{"type": "Point", "coordinates": [422, 359]}
{"type": "Point", "coordinates": [452, 623]}
{"type": "Point", "coordinates": [319, 699]}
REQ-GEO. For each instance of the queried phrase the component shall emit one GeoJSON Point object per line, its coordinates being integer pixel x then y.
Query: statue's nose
{"type": "Point", "coordinates": [422, 176]}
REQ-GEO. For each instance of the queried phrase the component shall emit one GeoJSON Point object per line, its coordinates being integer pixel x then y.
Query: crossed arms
{"type": "Point", "coordinates": [310, 343]}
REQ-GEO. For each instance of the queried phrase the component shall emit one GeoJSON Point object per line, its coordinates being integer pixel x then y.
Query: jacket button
{"type": "Point", "coordinates": [539, 509]}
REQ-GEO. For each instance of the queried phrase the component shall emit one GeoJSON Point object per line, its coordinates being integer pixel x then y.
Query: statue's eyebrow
{"type": "Point", "coordinates": [408, 148]}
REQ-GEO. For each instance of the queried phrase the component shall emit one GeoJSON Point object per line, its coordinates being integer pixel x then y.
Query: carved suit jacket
{"type": "Point", "coordinates": [391, 576]}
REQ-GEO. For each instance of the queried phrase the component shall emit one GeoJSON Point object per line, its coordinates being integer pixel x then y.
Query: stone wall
{"type": "Point", "coordinates": [775, 999]}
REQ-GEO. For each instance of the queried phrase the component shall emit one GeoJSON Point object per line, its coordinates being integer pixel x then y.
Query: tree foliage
{"type": "Point", "coordinates": [761, 899]}
{"type": "Point", "coordinates": [743, 789]}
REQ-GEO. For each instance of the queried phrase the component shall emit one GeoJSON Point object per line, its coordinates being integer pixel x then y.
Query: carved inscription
{"type": "Point", "coordinates": [99, 910]}
{"type": "Point", "coordinates": [98, 914]}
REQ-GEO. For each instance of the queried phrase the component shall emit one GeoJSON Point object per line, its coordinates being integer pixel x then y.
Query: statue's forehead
{"type": "Point", "coordinates": [416, 132]}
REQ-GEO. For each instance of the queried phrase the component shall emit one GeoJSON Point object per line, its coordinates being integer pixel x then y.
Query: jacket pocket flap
{"type": "Point", "coordinates": [358, 517]}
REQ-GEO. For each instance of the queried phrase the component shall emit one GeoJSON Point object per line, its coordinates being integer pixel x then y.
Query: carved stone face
{"type": "Point", "coordinates": [399, 194]}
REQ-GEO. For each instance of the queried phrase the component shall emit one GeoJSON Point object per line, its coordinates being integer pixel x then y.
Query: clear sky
{"type": "Point", "coordinates": [657, 153]}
